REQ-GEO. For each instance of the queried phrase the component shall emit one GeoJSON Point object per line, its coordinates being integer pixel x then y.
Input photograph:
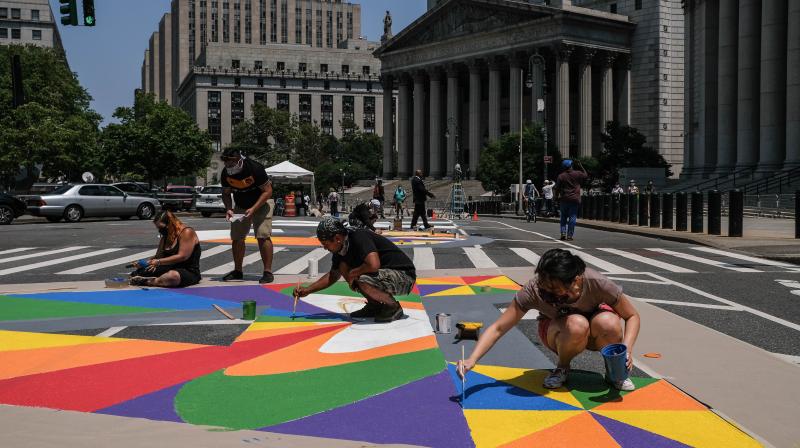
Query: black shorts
{"type": "Point", "coordinates": [189, 277]}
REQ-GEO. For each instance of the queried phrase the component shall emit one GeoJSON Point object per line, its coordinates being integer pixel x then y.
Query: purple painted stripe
{"type": "Point", "coordinates": [158, 405]}
{"type": "Point", "coordinates": [632, 437]}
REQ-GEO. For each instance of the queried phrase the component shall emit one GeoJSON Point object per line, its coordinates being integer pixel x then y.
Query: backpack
{"type": "Point", "coordinates": [400, 194]}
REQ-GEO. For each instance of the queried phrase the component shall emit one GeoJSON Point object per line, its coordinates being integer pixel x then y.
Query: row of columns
{"type": "Point", "coordinates": [413, 90]}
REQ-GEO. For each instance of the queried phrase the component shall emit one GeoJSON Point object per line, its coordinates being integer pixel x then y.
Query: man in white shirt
{"type": "Point", "coordinates": [547, 191]}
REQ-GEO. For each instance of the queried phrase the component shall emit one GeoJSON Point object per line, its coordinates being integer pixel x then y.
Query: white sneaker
{"type": "Point", "coordinates": [556, 379]}
{"type": "Point", "coordinates": [626, 385]}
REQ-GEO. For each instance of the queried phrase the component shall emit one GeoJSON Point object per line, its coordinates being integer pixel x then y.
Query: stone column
{"type": "Point", "coordinates": [624, 106]}
{"type": "Point", "coordinates": [514, 93]}
{"type": "Point", "coordinates": [607, 90]}
{"type": "Point", "coordinates": [726, 87]}
{"type": "Point", "coordinates": [748, 71]}
{"type": "Point", "coordinates": [585, 73]}
{"type": "Point", "coordinates": [403, 141]}
{"type": "Point", "coordinates": [474, 116]}
{"type": "Point", "coordinates": [387, 82]}
{"type": "Point", "coordinates": [453, 114]}
{"type": "Point", "coordinates": [773, 86]}
{"type": "Point", "coordinates": [494, 99]}
{"type": "Point", "coordinates": [562, 99]}
{"type": "Point", "coordinates": [793, 88]}
{"type": "Point", "coordinates": [436, 132]}
{"type": "Point", "coordinates": [419, 123]}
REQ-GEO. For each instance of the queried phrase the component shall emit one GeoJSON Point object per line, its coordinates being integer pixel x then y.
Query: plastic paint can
{"type": "Point", "coordinates": [444, 323]}
{"type": "Point", "coordinates": [615, 358]}
{"type": "Point", "coordinates": [249, 310]}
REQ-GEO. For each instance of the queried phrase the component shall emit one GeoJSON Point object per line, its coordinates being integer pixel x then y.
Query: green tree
{"type": "Point", "coordinates": [624, 146]}
{"type": "Point", "coordinates": [154, 140]}
{"type": "Point", "coordinates": [54, 128]}
{"type": "Point", "coordinates": [498, 166]}
{"type": "Point", "coordinates": [267, 136]}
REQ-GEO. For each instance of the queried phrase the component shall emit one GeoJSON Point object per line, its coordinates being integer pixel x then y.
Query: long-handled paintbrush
{"type": "Point", "coordinates": [296, 297]}
{"type": "Point", "coordinates": [463, 377]}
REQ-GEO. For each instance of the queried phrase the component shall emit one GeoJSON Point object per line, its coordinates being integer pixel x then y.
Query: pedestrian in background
{"type": "Point", "coordinates": [399, 199]}
{"type": "Point", "coordinates": [617, 189]}
{"type": "Point", "coordinates": [568, 193]}
{"type": "Point", "coordinates": [547, 192]}
{"type": "Point", "coordinates": [421, 195]}
{"type": "Point", "coordinates": [333, 202]}
{"type": "Point", "coordinates": [632, 188]}
{"type": "Point", "coordinates": [379, 194]}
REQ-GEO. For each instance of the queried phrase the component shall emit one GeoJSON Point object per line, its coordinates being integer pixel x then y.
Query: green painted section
{"type": "Point", "coordinates": [15, 308]}
{"type": "Point", "coordinates": [341, 289]}
{"type": "Point", "coordinates": [251, 402]}
{"type": "Point", "coordinates": [591, 388]}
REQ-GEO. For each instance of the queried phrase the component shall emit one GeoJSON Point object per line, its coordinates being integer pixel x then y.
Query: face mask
{"type": "Point", "coordinates": [163, 231]}
{"type": "Point", "coordinates": [236, 169]}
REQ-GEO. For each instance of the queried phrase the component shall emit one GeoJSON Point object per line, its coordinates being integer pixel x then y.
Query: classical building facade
{"type": "Point", "coordinates": [743, 87]}
{"type": "Point", "coordinates": [28, 22]}
{"type": "Point", "coordinates": [460, 72]}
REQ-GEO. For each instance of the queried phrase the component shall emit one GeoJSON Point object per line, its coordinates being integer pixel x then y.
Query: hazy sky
{"type": "Point", "coordinates": [108, 57]}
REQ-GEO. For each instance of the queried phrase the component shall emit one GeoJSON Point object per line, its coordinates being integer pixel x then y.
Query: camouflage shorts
{"type": "Point", "coordinates": [391, 281]}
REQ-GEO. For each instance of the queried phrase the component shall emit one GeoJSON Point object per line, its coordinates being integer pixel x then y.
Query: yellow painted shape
{"type": "Point", "coordinates": [701, 429]}
{"type": "Point", "coordinates": [22, 340]}
{"type": "Point", "coordinates": [457, 291]}
{"type": "Point", "coordinates": [530, 380]}
{"type": "Point", "coordinates": [494, 427]}
{"type": "Point", "coordinates": [500, 282]}
{"type": "Point", "coordinates": [441, 281]}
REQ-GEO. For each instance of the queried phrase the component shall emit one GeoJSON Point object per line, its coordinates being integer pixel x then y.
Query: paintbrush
{"type": "Point", "coordinates": [296, 296]}
{"type": "Point", "coordinates": [463, 377]}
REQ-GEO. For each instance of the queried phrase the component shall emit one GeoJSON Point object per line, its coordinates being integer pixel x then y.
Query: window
{"type": "Point", "coordinates": [15, 13]}
{"type": "Point", "coordinates": [283, 83]}
{"type": "Point", "coordinates": [3, 33]}
{"type": "Point", "coordinates": [665, 76]}
{"type": "Point", "coordinates": [36, 34]}
{"type": "Point", "coordinates": [666, 28]}
{"type": "Point", "coordinates": [283, 102]}
{"type": "Point", "coordinates": [369, 114]}
{"type": "Point", "coordinates": [305, 84]}
{"type": "Point", "coordinates": [302, 67]}
{"type": "Point", "coordinates": [665, 52]}
{"type": "Point", "coordinates": [298, 24]}
{"type": "Point", "coordinates": [345, 69]}
{"type": "Point", "coordinates": [348, 85]}
{"type": "Point", "coordinates": [664, 101]}
{"type": "Point", "coordinates": [637, 5]}
{"type": "Point", "coordinates": [260, 98]}
{"type": "Point", "coordinates": [260, 82]}
{"type": "Point", "coordinates": [214, 119]}
{"type": "Point", "coordinates": [235, 63]}
{"type": "Point", "coordinates": [365, 70]}
{"type": "Point", "coordinates": [305, 108]}
{"type": "Point", "coordinates": [369, 86]}
{"type": "Point", "coordinates": [280, 66]}
{"type": "Point", "coordinates": [237, 81]}
{"type": "Point", "coordinates": [213, 80]}
{"type": "Point", "coordinates": [327, 85]}
{"type": "Point", "coordinates": [107, 190]}
{"type": "Point", "coordinates": [613, 8]}
{"type": "Point", "coordinates": [258, 65]}
{"type": "Point", "coordinates": [15, 33]}
{"type": "Point", "coordinates": [35, 14]}
{"type": "Point", "coordinates": [90, 190]}
{"type": "Point", "coordinates": [326, 111]}
{"type": "Point", "coordinates": [323, 68]}
{"type": "Point", "coordinates": [348, 107]}
{"type": "Point", "coordinates": [237, 108]}
{"type": "Point", "coordinates": [3, 13]}
{"type": "Point", "coordinates": [284, 22]}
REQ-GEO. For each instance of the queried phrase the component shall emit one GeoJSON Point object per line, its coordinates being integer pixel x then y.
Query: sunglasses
{"type": "Point", "coordinates": [551, 297]}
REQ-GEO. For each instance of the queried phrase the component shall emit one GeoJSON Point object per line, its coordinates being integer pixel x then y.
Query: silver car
{"type": "Point", "coordinates": [73, 202]}
{"type": "Point", "coordinates": [210, 201]}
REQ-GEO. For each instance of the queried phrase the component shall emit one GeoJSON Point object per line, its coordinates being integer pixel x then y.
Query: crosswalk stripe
{"type": "Point", "coordinates": [761, 261]}
{"type": "Point", "coordinates": [479, 258]}
{"type": "Point", "coordinates": [719, 264]}
{"type": "Point", "coordinates": [41, 254]}
{"type": "Point", "coordinates": [214, 251]}
{"type": "Point", "coordinates": [109, 263]}
{"type": "Point", "coordinates": [41, 264]}
{"type": "Point", "coordinates": [301, 264]}
{"type": "Point", "coordinates": [607, 267]}
{"type": "Point", "coordinates": [423, 258]}
{"type": "Point", "coordinates": [647, 261]}
{"type": "Point", "coordinates": [19, 249]}
{"type": "Point", "coordinates": [252, 258]}
{"type": "Point", "coordinates": [527, 255]}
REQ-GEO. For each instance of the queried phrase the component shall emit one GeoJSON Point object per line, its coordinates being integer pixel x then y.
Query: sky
{"type": "Point", "coordinates": [108, 58]}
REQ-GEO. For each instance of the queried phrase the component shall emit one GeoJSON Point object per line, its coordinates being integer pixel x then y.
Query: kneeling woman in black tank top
{"type": "Point", "coordinates": [177, 260]}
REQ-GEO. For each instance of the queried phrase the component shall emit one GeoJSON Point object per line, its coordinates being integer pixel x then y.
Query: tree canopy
{"type": "Point", "coordinates": [624, 146]}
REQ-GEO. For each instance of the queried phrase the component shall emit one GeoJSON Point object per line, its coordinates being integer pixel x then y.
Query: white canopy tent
{"type": "Point", "coordinates": [292, 173]}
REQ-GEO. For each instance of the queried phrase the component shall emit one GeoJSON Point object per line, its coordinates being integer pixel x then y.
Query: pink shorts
{"type": "Point", "coordinates": [544, 323]}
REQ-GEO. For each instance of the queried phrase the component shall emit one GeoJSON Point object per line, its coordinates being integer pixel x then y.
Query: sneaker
{"type": "Point", "coordinates": [556, 379]}
{"type": "Point", "coordinates": [139, 281]}
{"type": "Point", "coordinates": [370, 310]}
{"type": "Point", "coordinates": [569, 238]}
{"type": "Point", "coordinates": [233, 275]}
{"type": "Point", "coordinates": [563, 237]}
{"type": "Point", "coordinates": [266, 277]}
{"type": "Point", "coordinates": [626, 385]}
{"type": "Point", "coordinates": [389, 313]}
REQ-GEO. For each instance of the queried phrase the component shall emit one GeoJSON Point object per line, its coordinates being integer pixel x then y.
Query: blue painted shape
{"type": "Point", "coordinates": [484, 392]}
{"type": "Point", "coordinates": [631, 437]}
{"type": "Point", "coordinates": [148, 298]}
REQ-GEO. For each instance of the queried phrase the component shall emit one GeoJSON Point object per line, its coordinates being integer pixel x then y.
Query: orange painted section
{"type": "Point", "coordinates": [576, 432]}
{"type": "Point", "coordinates": [306, 356]}
{"type": "Point", "coordinates": [412, 305]}
{"type": "Point", "coordinates": [659, 396]}
{"type": "Point", "coordinates": [28, 362]}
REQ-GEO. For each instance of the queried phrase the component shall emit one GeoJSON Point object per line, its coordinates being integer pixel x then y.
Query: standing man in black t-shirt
{"type": "Point", "coordinates": [370, 264]}
{"type": "Point", "coordinates": [249, 184]}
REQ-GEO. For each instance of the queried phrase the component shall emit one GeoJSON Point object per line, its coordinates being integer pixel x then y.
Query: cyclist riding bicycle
{"type": "Point", "coordinates": [531, 193]}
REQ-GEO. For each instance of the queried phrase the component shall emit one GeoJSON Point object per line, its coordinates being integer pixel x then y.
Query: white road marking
{"type": "Point", "coordinates": [761, 261]}
{"type": "Point", "coordinates": [607, 267]}
{"type": "Point", "coordinates": [690, 304]}
{"type": "Point", "coordinates": [42, 264]}
{"type": "Point", "coordinates": [647, 261]}
{"type": "Point", "coordinates": [301, 264]}
{"type": "Point", "coordinates": [110, 332]}
{"type": "Point", "coordinates": [526, 254]}
{"type": "Point", "coordinates": [537, 233]}
{"type": "Point", "coordinates": [105, 264]}
{"type": "Point", "coordinates": [528, 241]}
{"type": "Point", "coordinates": [791, 358]}
{"type": "Point", "coordinates": [719, 264]}
{"type": "Point", "coordinates": [214, 251]}
{"type": "Point", "coordinates": [207, 322]}
{"type": "Point", "coordinates": [636, 280]}
{"type": "Point", "coordinates": [423, 258]}
{"type": "Point", "coordinates": [252, 258]}
{"type": "Point", "coordinates": [530, 315]}
{"type": "Point", "coordinates": [42, 254]}
{"type": "Point", "coordinates": [19, 249]}
{"type": "Point", "coordinates": [479, 258]}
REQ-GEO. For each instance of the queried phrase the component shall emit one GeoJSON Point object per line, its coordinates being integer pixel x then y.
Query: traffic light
{"type": "Point", "coordinates": [70, 10]}
{"type": "Point", "coordinates": [88, 13]}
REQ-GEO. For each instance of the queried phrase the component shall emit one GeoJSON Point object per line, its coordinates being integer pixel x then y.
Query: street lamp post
{"type": "Point", "coordinates": [537, 59]}
{"type": "Point", "coordinates": [341, 171]}
{"type": "Point", "coordinates": [451, 123]}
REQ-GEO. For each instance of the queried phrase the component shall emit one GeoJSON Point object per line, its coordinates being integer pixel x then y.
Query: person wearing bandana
{"type": "Point", "coordinates": [177, 260]}
{"type": "Point", "coordinates": [371, 264]}
{"type": "Point", "coordinates": [247, 181]}
{"type": "Point", "coordinates": [579, 309]}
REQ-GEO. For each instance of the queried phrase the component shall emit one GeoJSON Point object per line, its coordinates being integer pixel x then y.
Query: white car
{"type": "Point", "coordinates": [210, 201]}
{"type": "Point", "coordinates": [73, 202]}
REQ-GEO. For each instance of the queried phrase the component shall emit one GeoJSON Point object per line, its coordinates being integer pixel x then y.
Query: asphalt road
{"type": "Point", "coordinates": [754, 300]}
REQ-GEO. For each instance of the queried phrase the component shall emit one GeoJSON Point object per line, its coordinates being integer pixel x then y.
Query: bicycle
{"type": "Point", "coordinates": [530, 210]}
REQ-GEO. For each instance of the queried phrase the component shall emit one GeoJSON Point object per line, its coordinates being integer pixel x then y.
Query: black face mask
{"type": "Point", "coordinates": [163, 231]}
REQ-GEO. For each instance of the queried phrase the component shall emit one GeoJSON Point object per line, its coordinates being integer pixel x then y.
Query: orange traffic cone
{"type": "Point", "coordinates": [433, 214]}
{"type": "Point", "coordinates": [475, 215]}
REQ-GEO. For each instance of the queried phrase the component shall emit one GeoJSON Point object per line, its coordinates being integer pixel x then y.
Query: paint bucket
{"type": "Point", "coordinates": [143, 262]}
{"type": "Point", "coordinates": [249, 310]}
{"type": "Point", "coordinates": [313, 267]}
{"type": "Point", "coordinates": [615, 358]}
{"type": "Point", "coordinates": [444, 323]}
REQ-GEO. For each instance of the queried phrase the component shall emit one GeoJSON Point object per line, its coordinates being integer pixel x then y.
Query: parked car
{"type": "Point", "coordinates": [210, 201]}
{"type": "Point", "coordinates": [73, 202]}
{"type": "Point", "coordinates": [11, 208]}
{"type": "Point", "coordinates": [170, 201]}
{"type": "Point", "coordinates": [187, 194]}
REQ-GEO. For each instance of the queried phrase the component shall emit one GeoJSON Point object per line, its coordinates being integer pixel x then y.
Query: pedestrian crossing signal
{"type": "Point", "coordinates": [88, 13]}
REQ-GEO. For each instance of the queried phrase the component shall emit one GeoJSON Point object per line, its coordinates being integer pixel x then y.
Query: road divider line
{"type": "Point", "coordinates": [527, 255]}
{"type": "Point", "coordinates": [42, 264]}
{"type": "Point", "coordinates": [110, 332]}
{"type": "Point", "coordinates": [761, 261]}
{"type": "Point", "coordinates": [301, 264]}
{"type": "Point", "coordinates": [607, 267]}
{"type": "Point", "coordinates": [719, 264]}
{"type": "Point", "coordinates": [250, 259]}
{"type": "Point", "coordinates": [690, 304]}
{"type": "Point", "coordinates": [537, 233]}
{"type": "Point", "coordinates": [647, 261]}
{"type": "Point", "coordinates": [13, 251]}
{"type": "Point", "coordinates": [42, 254]}
{"type": "Point", "coordinates": [479, 258]}
{"type": "Point", "coordinates": [105, 264]}
{"type": "Point", "coordinates": [423, 258]}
